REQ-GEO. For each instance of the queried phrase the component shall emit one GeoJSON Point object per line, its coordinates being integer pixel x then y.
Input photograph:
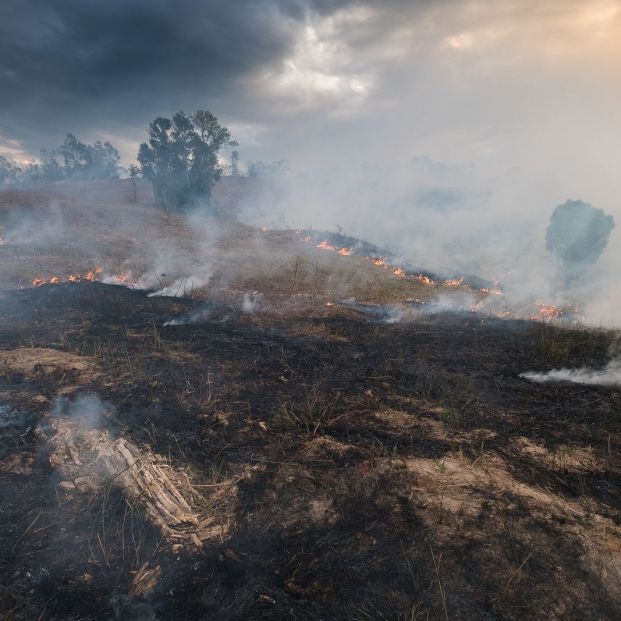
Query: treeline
{"type": "Point", "coordinates": [181, 159]}
{"type": "Point", "coordinates": [72, 160]}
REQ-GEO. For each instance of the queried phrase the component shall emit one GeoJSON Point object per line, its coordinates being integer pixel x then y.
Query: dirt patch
{"type": "Point", "coordinates": [69, 371]}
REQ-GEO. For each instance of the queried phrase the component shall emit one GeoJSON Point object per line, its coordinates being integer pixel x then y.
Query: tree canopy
{"type": "Point", "coordinates": [73, 160]}
{"type": "Point", "coordinates": [180, 158]}
{"type": "Point", "coordinates": [576, 237]}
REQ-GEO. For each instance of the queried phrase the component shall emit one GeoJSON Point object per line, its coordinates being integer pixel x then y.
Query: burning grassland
{"type": "Point", "coordinates": [68, 239]}
{"type": "Point", "coordinates": [205, 420]}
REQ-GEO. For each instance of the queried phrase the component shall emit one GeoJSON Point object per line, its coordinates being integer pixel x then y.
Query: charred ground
{"type": "Point", "coordinates": [346, 469]}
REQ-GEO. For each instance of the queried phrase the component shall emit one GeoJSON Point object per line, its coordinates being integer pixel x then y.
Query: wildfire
{"type": "Point", "coordinates": [122, 279]}
{"type": "Point", "coordinates": [492, 291]}
{"type": "Point", "coordinates": [56, 280]}
{"type": "Point", "coordinates": [545, 312]}
{"type": "Point", "coordinates": [424, 279]}
{"type": "Point", "coordinates": [549, 312]}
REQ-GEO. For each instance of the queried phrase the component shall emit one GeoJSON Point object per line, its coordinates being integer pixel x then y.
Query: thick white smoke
{"type": "Point", "coordinates": [610, 375]}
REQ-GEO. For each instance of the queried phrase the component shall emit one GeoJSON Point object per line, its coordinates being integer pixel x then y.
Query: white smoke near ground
{"type": "Point", "coordinates": [182, 287]}
{"type": "Point", "coordinates": [87, 409]}
{"type": "Point", "coordinates": [199, 316]}
{"type": "Point", "coordinates": [610, 375]}
{"type": "Point", "coordinates": [26, 228]}
{"type": "Point", "coordinates": [450, 220]}
{"type": "Point", "coordinates": [172, 266]}
{"type": "Point", "coordinates": [247, 303]}
{"type": "Point", "coordinates": [251, 302]}
{"type": "Point", "coordinates": [457, 302]}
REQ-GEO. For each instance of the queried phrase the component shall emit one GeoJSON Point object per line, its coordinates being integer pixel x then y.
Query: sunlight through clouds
{"type": "Point", "coordinates": [321, 68]}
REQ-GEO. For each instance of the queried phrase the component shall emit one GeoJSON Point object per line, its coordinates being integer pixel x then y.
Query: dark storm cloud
{"type": "Point", "coordinates": [72, 64]}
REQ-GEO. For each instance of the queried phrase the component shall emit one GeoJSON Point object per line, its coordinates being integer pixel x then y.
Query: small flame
{"type": "Point", "coordinates": [122, 279]}
{"type": "Point", "coordinates": [399, 272]}
{"type": "Point", "coordinates": [56, 280]}
{"type": "Point", "coordinates": [346, 251]}
{"type": "Point", "coordinates": [549, 311]}
{"type": "Point", "coordinates": [324, 245]}
{"type": "Point", "coordinates": [454, 282]}
{"type": "Point", "coordinates": [492, 291]}
{"type": "Point", "coordinates": [380, 262]}
{"type": "Point", "coordinates": [424, 279]}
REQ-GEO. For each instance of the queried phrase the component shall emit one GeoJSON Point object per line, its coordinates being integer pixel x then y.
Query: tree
{"type": "Point", "coordinates": [49, 168]}
{"type": "Point", "coordinates": [180, 158]}
{"type": "Point", "coordinates": [79, 161]}
{"type": "Point", "coordinates": [134, 171]}
{"type": "Point", "coordinates": [576, 237]}
{"type": "Point", "coordinates": [264, 169]}
{"type": "Point", "coordinates": [7, 170]}
{"type": "Point", "coordinates": [235, 163]}
{"type": "Point", "coordinates": [85, 161]}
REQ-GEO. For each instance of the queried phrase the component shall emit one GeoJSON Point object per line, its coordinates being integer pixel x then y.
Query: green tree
{"type": "Point", "coordinates": [180, 158]}
{"type": "Point", "coordinates": [576, 237]}
{"type": "Point", "coordinates": [85, 161]}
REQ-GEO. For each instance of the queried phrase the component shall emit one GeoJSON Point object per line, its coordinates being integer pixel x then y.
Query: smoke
{"type": "Point", "coordinates": [87, 410]}
{"type": "Point", "coordinates": [173, 265]}
{"type": "Point", "coordinates": [447, 219]}
{"type": "Point", "coordinates": [610, 375]}
{"type": "Point", "coordinates": [251, 302]}
{"type": "Point", "coordinates": [182, 287]}
{"type": "Point", "coordinates": [25, 228]}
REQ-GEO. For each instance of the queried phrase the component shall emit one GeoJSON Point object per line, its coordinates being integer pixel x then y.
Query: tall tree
{"type": "Point", "coordinates": [85, 161]}
{"type": "Point", "coordinates": [180, 158]}
{"type": "Point", "coordinates": [134, 171]}
{"type": "Point", "coordinates": [576, 236]}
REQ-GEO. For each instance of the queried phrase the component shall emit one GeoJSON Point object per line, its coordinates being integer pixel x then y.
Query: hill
{"type": "Point", "coordinates": [256, 425]}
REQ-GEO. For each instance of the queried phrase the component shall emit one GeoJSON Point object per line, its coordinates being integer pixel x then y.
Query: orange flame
{"type": "Point", "coordinates": [424, 279]}
{"type": "Point", "coordinates": [492, 291]}
{"type": "Point", "coordinates": [324, 245]}
{"type": "Point", "coordinates": [56, 280]}
{"type": "Point", "coordinates": [399, 271]}
{"type": "Point", "coordinates": [346, 251]}
{"type": "Point", "coordinates": [549, 311]}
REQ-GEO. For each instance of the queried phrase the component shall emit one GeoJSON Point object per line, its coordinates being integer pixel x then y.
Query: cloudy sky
{"type": "Point", "coordinates": [497, 82]}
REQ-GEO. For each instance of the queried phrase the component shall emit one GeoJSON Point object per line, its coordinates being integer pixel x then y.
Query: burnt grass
{"type": "Point", "coordinates": [339, 444]}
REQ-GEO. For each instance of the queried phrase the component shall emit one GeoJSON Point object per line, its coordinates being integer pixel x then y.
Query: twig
{"type": "Point", "coordinates": [442, 595]}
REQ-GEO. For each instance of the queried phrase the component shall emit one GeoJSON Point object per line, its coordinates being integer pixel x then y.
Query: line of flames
{"type": "Point", "coordinates": [90, 276]}
{"type": "Point", "coordinates": [400, 272]}
{"type": "Point", "coordinates": [547, 312]}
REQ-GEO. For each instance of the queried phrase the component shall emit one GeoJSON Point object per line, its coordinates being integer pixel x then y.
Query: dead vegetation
{"type": "Point", "coordinates": [299, 461]}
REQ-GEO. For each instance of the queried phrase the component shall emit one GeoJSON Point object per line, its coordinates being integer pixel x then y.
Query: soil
{"type": "Point", "coordinates": [329, 466]}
